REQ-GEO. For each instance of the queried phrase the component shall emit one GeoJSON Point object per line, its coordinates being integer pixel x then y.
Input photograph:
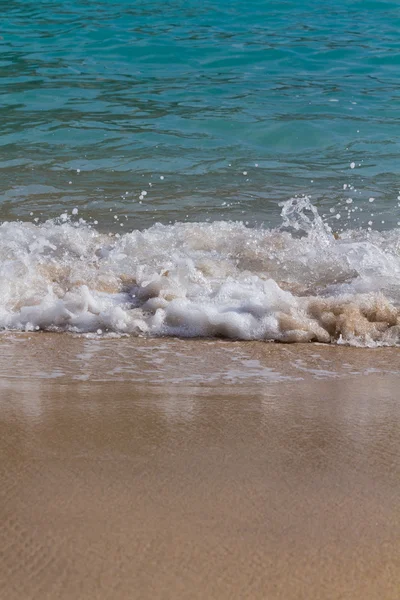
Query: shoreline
{"type": "Point", "coordinates": [63, 355]}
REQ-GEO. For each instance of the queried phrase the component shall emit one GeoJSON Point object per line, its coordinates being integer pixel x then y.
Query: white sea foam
{"type": "Point", "coordinates": [295, 283]}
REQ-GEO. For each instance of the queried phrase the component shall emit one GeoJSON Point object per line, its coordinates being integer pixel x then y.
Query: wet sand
{"type": "Point", "coordinates": [161, 469]}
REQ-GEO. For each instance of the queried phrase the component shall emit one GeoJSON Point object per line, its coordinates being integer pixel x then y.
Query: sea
{"type": "Point", "coordinates": [215, 169]}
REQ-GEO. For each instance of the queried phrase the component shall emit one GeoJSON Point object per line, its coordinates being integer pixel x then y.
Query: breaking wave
{"type": "Point", "coordinates": [296, 283]}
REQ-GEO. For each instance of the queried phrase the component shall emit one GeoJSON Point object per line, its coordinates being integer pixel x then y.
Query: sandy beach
{"type": "Point", "coordinates": [137, 468]}
{"type": "Point", "coordinates": [199, 300]}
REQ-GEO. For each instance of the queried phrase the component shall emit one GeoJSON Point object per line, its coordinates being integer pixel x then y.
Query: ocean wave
{"type": "Point", "coordinates": [296, 283]}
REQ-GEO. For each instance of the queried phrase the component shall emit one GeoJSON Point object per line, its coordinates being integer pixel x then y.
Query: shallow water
{"type": "Point", "coordinates": [216, 170]}
{"type": "Point", "coordinates": [198, 94]}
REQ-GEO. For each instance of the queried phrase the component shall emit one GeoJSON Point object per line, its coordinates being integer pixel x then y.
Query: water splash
{"type": "Point", "coordinates": [294, 283]}
{"type": "Point", "coordinates": [300, 215]}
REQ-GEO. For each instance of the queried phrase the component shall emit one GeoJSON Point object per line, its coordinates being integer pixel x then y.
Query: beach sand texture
{"type": "Point", "coordinates": [139, 468]}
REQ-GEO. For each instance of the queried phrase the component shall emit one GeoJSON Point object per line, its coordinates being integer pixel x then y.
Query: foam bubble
{"type": "Point", "coordinates": [299, 282]}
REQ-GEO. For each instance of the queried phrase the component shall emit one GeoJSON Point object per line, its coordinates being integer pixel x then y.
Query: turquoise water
{"type": "Point", "coordinates": [206, 169]}
{"type": "Point", "coordinates": [199, 94]}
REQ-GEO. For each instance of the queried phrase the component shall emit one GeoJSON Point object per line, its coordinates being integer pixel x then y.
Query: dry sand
{"type": "Point", "coordinates": [168, 469]}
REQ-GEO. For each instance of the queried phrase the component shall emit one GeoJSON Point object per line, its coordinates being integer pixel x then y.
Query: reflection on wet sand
{"type": "Point", "coordinates": [281, 486]}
